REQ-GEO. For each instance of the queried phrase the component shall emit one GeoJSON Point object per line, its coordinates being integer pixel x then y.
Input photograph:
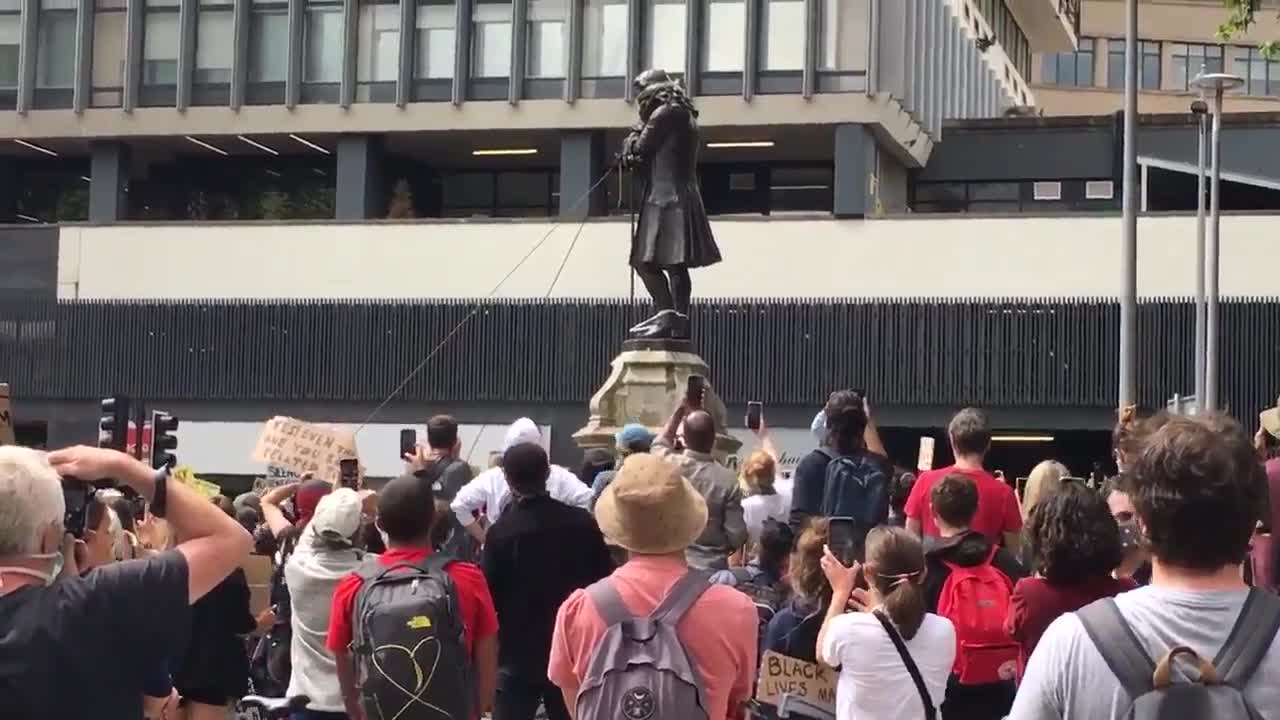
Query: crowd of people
{"type": "Point", "coordinates": [649, 584]}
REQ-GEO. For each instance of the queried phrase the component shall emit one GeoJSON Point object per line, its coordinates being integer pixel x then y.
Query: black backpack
{"type": "Point", "coordinates": [767, 597]}
{"type": "Point", "coordinates": [1217, 693]}
{"type": "Point", "coordinates": [411, 657]}
{"type": "Point", "coordinates": [855, 486]}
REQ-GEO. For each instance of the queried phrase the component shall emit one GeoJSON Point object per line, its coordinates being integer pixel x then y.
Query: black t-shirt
{"type": "Point", "coordinates": [80, 648]}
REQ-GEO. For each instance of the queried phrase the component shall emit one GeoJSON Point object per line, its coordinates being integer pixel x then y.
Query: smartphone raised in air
{"type": "Point", "coordinates": [408, 442]}
{"type": "Point", "coordinates": [846, 540]}
{"type": "Point", "coordinates": [755, 415]}
{"type": "Point", "coordinates": [694, 390]}
{"type": "Point", "coordinates": [349, 473]}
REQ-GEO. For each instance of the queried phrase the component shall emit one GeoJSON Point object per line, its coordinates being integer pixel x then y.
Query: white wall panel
{"type": "Point", "coordinates": [947, 257]}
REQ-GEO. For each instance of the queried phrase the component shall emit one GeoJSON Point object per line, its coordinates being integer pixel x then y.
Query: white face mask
{"type": "Point", "coordinates": [46, 577]}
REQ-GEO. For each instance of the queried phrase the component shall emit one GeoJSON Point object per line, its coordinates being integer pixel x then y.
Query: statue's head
{"type": "Point", "coordinates": [651, 77]}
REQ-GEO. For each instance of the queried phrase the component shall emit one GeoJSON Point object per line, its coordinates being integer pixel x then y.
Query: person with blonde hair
{"type": "Point", "coordinates": [1042, 481]}
{"type": "Point", "coordinates": [760, 499]}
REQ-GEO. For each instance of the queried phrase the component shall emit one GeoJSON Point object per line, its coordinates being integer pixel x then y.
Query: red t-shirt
{"type": "Point", "coordinates": [479, 618]}
{"type": "Point", "coordinates": [997, 505]}
{"type": "Point", "coordinates": [1037, 603]}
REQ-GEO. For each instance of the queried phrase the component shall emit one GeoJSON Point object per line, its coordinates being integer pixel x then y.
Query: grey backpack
{"type": "Point", "coordinates": [411, 661]}
{"type": "Point", "coordinates": [1217, 692]}
{"type": "Point", "coordinates": [639, 670]}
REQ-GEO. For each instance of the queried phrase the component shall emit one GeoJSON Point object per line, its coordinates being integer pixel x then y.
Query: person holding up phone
{"type": "Point", "coordinates": [894, 656]}
{"type": "Point", "coordinates": [726, 530]}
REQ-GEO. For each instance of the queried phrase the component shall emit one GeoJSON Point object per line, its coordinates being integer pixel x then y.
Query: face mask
{"type": "Point", "coordinates": [48, 577]}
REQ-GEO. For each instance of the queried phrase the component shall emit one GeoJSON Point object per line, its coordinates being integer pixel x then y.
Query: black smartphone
{"type": "Point", "coordinates": [697, 385]}
{"type": "Point", "coordinates": [845, 541]}
{"type": "Point", "coordinates": [755, 415]}
{"type": "Point", "coordinates": [408, 442]}
{"type": "Point", "coordinates": [77, 496]}
{"type": "Point", "coordinates": [349, 473]}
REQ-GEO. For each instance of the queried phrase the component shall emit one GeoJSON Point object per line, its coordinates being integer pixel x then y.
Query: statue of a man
{"type": "Point", "coordinates": [672, 235]}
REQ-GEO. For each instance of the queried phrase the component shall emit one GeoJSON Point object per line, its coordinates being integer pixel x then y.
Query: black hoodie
{"type": "Point", "coordinates": [967, 549]}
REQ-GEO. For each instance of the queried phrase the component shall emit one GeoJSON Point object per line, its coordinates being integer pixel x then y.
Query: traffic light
{"type": "Point", "coordinates": [163, 441]}
{"type": "Point", "coordinates": [113, 426]}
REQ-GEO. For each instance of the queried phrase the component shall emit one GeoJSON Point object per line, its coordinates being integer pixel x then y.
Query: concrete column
{"type": "Point", "coordinates": [581, 162]}
{"type": "Point", "coordinates": [359, 189]}
{"type": "Point", "coordinates": [855, 165]}
{"type": "Point", "coordinates": [109, 164]}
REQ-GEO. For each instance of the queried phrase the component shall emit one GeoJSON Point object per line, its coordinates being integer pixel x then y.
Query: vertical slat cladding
{"type": "Point", "coordinates": [920, 351]}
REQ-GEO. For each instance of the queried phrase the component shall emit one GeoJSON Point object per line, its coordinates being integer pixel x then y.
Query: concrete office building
{"type": "Point", "coordinates": [290, 109]}
{"type": "Point", "coordinates": [1177, 39]}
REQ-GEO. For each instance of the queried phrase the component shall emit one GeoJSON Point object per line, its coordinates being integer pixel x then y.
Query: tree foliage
{"type": "Point", "coordinates": [1241, 15]}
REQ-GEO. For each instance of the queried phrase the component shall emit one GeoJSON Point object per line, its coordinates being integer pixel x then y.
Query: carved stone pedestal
{"type": "Point", "coordinates": [647, 381]}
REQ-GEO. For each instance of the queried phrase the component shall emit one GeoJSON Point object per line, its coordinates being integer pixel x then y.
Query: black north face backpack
{"type": "Point", "coordinates": [411, 658]}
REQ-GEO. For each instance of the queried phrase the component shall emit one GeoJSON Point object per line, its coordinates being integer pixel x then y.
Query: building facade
{"type": "Point", "coordinates": [1177, 39]}
{"type": "Point", "coordinates": [313, 109]}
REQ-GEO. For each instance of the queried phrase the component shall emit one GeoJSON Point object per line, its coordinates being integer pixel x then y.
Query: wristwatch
{"type": "Point", "coordinates": [160, 494]}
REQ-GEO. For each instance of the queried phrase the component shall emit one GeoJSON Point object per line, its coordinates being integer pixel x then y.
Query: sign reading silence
{"type": "Point", "coordinates": [304, 448]}
{"type": "Point", "coordinates": [811, 683]}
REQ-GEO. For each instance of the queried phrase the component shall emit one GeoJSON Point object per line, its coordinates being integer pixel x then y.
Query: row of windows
{"type": "Point", "coordinates": [290, 188]}
{"type": "Point", "coordinates": [841, 45]}
{"type": "Point", "coordinates": [1186, 61]}
{"type": "Point", "coordinates": [1013, 197]}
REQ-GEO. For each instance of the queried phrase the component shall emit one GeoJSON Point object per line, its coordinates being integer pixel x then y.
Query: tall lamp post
{"type": "Point", "coordinates": [1128, 384]}
{"type": "Point", "coordinates": [1216, 85]}
{"type": "Point", "coordinates": [1200, 109]}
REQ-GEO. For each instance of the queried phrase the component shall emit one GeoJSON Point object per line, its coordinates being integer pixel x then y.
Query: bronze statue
{"type": "Point", "coordinates": [673, 234]}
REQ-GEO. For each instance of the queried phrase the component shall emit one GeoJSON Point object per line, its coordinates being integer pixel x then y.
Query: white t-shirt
{"type": "Point", "coordinates": [758, 508]}
{"type": "Point", "coordinates": [1067, 677]}
{"type": "Point", "coordinates": [312, 575]}
{"type": "Point", "coordinates": [874, 684]}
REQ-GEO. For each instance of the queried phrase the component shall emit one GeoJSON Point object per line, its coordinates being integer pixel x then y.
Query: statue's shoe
{"type": "Point", "coordinates": [645, 325]}
{"type": "Point", "coordinates": [668, 325]}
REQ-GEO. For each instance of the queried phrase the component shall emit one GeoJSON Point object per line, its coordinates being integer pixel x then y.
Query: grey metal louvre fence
{"type": "Point", "coordinates": [994, 352]}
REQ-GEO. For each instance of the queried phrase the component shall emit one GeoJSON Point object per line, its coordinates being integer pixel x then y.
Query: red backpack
{"type": "Point", "coordinates": [976, 600]}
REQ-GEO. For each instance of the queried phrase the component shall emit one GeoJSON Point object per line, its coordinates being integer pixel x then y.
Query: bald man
{"type": "Point", "coordinates": [725, 532]}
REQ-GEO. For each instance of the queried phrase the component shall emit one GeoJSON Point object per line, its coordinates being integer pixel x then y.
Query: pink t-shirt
{"type": "Point", "coordinates": [719, 633]}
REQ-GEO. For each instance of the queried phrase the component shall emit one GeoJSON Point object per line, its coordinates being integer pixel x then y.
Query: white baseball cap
{"type": "Point", "coordinates": [338, 514]}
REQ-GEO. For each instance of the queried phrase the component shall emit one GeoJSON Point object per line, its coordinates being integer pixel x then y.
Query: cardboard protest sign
{"type": "Point", "coordinates": [781, 675]}
{"type": "Point", "coordinates": [257, 570]}
{"type": "Point", "coordinates": [304, 448]}
{"type": "Point", "coordinates": [6, 421]}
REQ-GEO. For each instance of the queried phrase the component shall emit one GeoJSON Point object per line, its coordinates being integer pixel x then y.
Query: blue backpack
{"type": "Point", "coordinates": [856, 486]}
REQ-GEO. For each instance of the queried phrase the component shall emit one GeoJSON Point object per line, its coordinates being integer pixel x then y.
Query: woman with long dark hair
{"type": "Point", "coordinates": [1075, 545]}
{"type": "Point", "coordinates": [889, 631]}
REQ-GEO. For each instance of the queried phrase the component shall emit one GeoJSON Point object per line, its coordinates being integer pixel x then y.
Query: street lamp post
{"type": "Point", "coordinates": [1218, 84]}
{"type": "Point", "coordinates": [1200, 109]}
{"type": "Point", "coordinates": [1128, 384]}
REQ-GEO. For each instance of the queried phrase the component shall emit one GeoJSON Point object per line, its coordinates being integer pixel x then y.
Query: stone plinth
{"type": "Point", "coordinates": [647, 381]}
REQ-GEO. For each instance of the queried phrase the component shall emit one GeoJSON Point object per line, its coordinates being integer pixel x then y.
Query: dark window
{"type": "Point", "coordinates": [1148, 69]}
{"type": "Point", "coordinates": [1189, 60]}
{"type": "Point", "coordinates": [1073, 69]}
{"type": "Point", "coordinates": [1261, 76]}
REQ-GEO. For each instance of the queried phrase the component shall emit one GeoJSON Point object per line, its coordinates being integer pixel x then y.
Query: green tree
{"type": "Point", "coordinates": [1241, 14]}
